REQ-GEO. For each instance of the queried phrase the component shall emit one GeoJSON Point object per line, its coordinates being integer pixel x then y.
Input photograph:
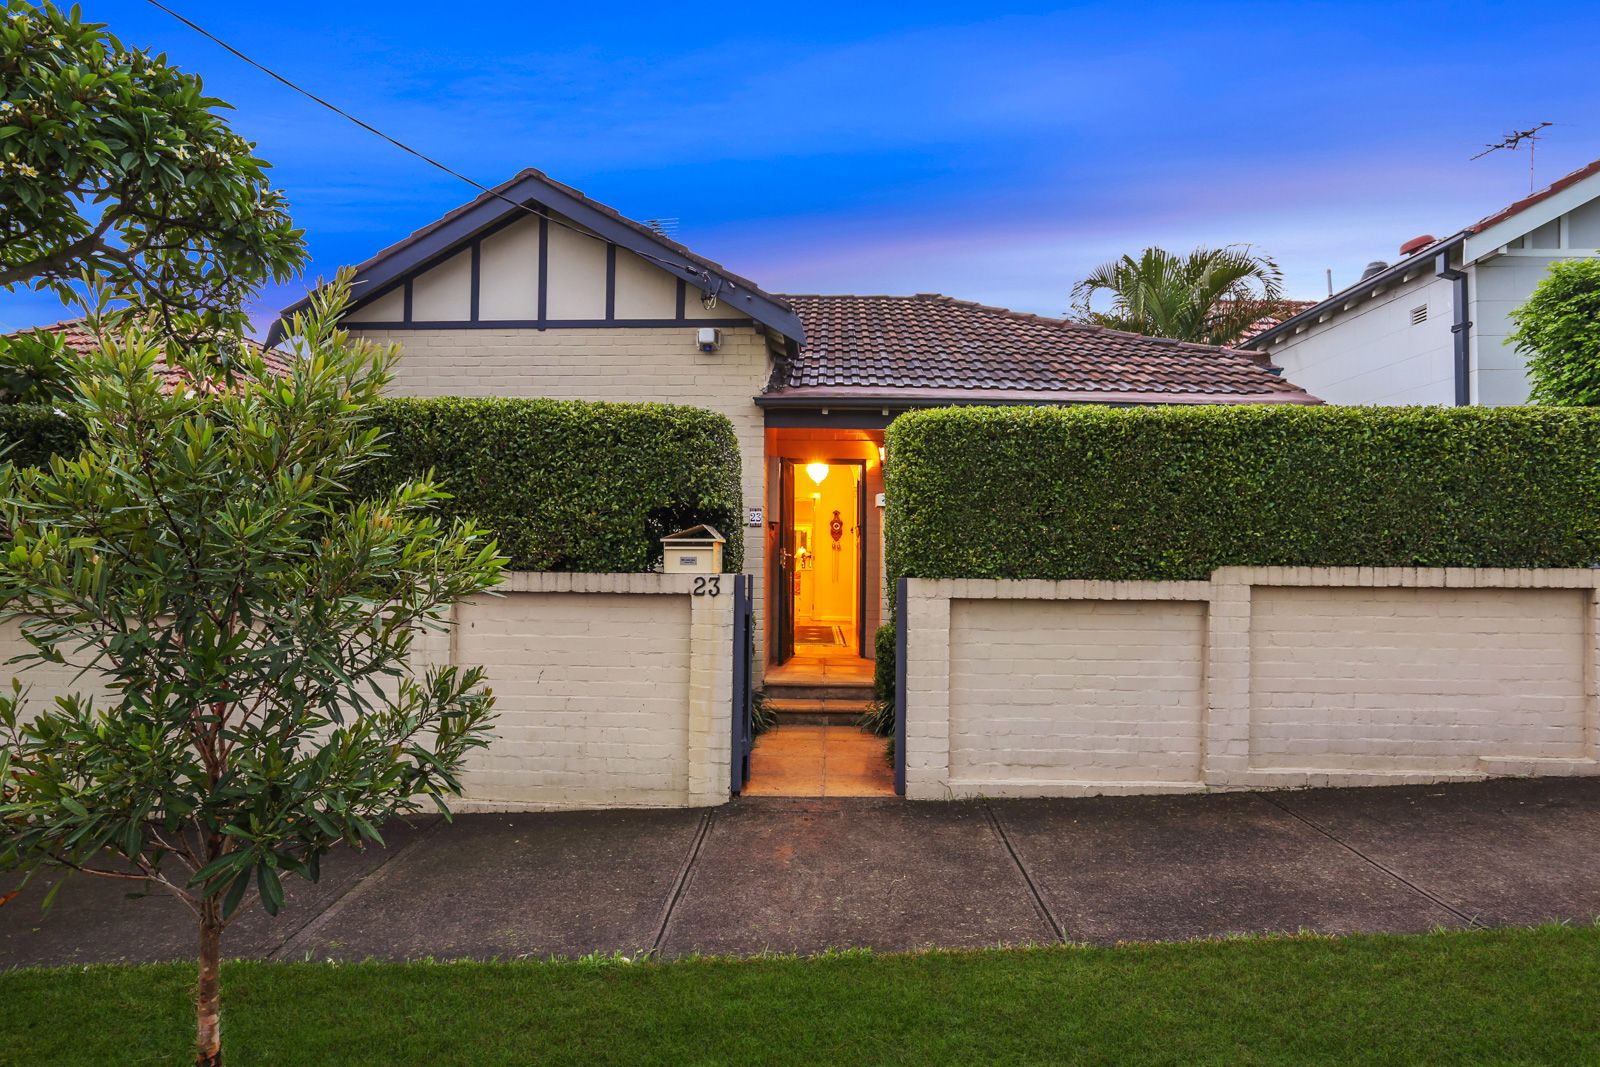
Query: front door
{"type": "Point", "coordinates": [785, 571]}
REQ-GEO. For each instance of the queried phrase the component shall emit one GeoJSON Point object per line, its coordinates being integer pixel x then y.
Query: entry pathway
{"type": "Point", "coordinates": [805, 875]}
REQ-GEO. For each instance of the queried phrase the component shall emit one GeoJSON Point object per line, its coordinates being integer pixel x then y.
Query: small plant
{"type": "Point", "coordinates": [762, 717]}
{"type": "Point", "coordinates": [878, 719]}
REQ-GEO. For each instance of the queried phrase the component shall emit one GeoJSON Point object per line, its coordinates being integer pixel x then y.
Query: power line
{"type": "Point", "coordinates": [703, 274]}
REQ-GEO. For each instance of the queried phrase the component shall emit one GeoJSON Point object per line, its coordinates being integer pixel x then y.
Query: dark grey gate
{"type": "Point", "coordinates": [744, 653]}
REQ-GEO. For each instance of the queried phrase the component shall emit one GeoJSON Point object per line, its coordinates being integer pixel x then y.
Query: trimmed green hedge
{"type": "Point", "coordinates": [32, 433]}
{"type": "Point", "coordinates": [570, 485]}
{"type": "Point", "coordinates": [564, 485]}
{"type": "Point", "coordinates": [1177, 492]}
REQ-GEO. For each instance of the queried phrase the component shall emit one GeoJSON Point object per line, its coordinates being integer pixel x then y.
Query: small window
{"type": "Point", "coordinates": [1419, 315]}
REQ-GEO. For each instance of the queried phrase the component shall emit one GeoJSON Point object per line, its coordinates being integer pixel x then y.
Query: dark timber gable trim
{"type": "Point", "coordinates": [460, 228]}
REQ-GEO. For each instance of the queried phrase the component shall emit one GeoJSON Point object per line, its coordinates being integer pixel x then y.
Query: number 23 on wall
{"type": "Point", "coordinates": [708, 585]}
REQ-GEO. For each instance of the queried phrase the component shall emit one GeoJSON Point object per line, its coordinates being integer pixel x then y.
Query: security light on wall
{"type": "Point", "coordinates": [709, 338]}
{"type": "Point", "coordinates": [818, 471]}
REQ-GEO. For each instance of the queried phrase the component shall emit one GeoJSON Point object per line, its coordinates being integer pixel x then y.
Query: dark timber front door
{"type": "Point", "coordinates": [784, 572]}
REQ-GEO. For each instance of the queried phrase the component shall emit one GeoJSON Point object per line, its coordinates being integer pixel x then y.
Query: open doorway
{"type": "Point", "coordinates": [822, 559]}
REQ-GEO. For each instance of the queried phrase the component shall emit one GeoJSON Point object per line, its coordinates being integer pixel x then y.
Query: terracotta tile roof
{"type": "Point", "coordinates": [926, 347]}
{"type": "Point", "coordinates": [1533, 198]}
{"type": "Point", "coordinates": [79, 338]}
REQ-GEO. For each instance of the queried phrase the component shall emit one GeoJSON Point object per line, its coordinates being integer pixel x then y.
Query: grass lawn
{"type": "Point", "coordinates": [1518, 996]}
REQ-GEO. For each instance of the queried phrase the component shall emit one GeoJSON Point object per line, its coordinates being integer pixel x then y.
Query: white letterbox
{"type": "Point", "coordinates": [697, 550]}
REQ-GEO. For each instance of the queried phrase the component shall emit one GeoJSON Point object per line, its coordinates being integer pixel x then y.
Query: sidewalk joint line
{"type": "Point", "coordinates": [338, 903]}
{"type": "Point", "coordinates": [681, 883]}
{"type": "Point", "coordinates": [1391, 872]}
{"type": "Point", "coordinates": [1027, 875]}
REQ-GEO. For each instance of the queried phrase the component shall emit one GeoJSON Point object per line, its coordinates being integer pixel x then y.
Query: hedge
{"type": "Point", "coordinates": [1176, 492]}
{"type": "Point", "coordinates": [571, 485]}
{"type": "Point", "coordinates": [564, 485]}
{"type": "Point", "coordinates": [32, 433]}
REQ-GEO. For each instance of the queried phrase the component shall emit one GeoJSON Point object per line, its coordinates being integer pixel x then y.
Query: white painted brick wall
{"type": "Point", "coordinates": [1423, 680]}
{"type": "Point", "coordinates": [1074, 692]}
{"type": "Point", "coordinates": [1260, 678]}
{"type": "Point", "coordinates": [592, 694]}
{"type": "Point", "coordinates": [611, 690]}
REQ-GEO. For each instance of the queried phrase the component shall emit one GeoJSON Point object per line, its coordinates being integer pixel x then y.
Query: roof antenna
{"type": "Point", "coordinates": [665, 227]}
{"type": "Point", "coordinates": [1513, 141]}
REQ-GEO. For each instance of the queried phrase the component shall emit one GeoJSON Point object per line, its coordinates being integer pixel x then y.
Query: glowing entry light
{"type": "Point", "coordinates": [818, 471]}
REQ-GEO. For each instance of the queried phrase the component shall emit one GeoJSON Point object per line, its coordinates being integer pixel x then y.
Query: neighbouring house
{"type": "Point", "coordinates": [536, 290]}
{"type": "Point", "coordinates": [1282, 310]}
{"type": "Point", "coordinates": [78, 337]}
{"type": "Point", "coordinates": [1431, 327]}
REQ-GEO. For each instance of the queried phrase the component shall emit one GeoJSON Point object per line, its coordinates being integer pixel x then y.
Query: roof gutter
{"type": "Point", "coordinates": [1398, 270]}
{"type": "Point", "coordinates": [1460, 325]}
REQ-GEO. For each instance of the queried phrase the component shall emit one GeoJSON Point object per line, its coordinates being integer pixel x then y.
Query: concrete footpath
{"type": "Point", "coordinates": [806, 875]}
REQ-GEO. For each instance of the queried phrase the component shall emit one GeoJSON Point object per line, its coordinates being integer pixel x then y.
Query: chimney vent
{"type": "Point", "coordinates": [1416, 244]}
{"type": "Point", "coordinates": [1377, 266]}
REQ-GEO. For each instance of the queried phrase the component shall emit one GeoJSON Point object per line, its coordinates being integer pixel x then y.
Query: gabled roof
{"type": "Point", "coordinates": [928, 348]}
{"type": "Point", "coordinates": [534, 192]}
{"type": "Point", "coordinates": [79, 338]}
{"type": "Point", "coordinates": [1420, 259]}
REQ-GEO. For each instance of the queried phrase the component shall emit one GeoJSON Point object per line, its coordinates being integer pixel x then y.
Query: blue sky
{"type": "Point", "coordinates": [994, 152]}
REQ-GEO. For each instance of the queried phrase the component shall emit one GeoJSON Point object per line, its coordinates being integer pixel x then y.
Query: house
{"type": "Point", "coordinates": [1431, 327]}
{"type": "Point", "coordinates": [534, 289]}
{"type": "Point", "coordinates": [76, 335]}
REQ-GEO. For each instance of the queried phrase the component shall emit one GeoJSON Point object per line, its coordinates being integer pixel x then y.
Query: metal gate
{"type": "Point", "coordinates": [744, 652]}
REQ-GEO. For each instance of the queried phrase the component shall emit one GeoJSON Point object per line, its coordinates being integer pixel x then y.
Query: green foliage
{"type": "Point", "coordinates": [879, 716]}
{"type": "Point", "coordinates": [1208, 296]}
{"type": "Point", "coordinates": [562, 485]}
{"type": "Point", "coordinates": [1177, 492]}
{"type": "Point", "coordinates": [114, 162]}
{"type": "Point", "coordinates": [1520, 996]}
{"type": "Point", "coordinates": [1558, 329]}
{"type": "Point", "coordinates": [762, 717]}
{"type": "Point", "coordinates": [30, 433]}
{"type": "Point", "coordinates": [33, 368]}
{"type": "Point", "coordinates": [569, 485]}
{"type": "Point", "coordinates": [246, 623]}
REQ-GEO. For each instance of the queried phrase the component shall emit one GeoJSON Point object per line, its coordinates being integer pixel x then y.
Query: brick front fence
{"type": "Point", "coordinates": [1261, 677]}
{"type": "Point", "coordinates": [611, 690]}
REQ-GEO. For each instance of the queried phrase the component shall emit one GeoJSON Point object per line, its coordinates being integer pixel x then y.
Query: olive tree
{"type": "Point", "coordinates": [244, 627]}
{"type": "Point", "coordinates": [1558, 329]}
{"type": "Point", "coordinates": [115, 165]}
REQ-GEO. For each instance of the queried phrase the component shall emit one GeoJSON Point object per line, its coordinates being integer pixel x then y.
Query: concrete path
{"type": "Point", "coordinates": [806, 875]}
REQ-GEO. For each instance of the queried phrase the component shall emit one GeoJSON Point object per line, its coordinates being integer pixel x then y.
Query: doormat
{"type": "Point", "coordinates": [816, 635]}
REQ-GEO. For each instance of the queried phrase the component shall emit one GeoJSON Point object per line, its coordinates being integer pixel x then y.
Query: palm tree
{"type": "Point", "coordinates": [1210, 295]}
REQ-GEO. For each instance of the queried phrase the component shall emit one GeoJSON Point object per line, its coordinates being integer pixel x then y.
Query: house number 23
{"type": "Point", "coordinates": [708, 585]}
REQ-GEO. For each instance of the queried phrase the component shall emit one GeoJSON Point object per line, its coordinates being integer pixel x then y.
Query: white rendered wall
{"type": "Point", "coordinates": [1374, 354]}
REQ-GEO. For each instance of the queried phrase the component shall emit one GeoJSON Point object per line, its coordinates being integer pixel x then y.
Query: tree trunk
{"type": "Point", "coordinates": [207, 998]}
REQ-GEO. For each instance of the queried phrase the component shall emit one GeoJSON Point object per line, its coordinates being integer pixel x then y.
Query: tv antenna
{"type": "Point", "coordinates": [1514, 141]}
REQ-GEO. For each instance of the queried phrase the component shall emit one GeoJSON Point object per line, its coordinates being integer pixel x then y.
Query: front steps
{"type": "Point", "coordinates": [818, 705]}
